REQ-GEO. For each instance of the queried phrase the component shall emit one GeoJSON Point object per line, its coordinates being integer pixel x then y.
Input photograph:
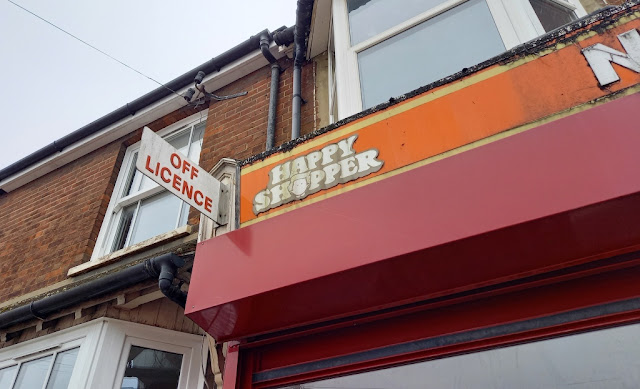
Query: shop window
{"type": "Point", "coordinates": [384, 49]}
{"type": "Point", "coordinates": [141, 209]}
{"type": "Point", "coordinates": [600, 359]}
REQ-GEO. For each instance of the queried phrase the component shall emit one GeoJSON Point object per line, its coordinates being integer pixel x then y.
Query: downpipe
{"type": "Point", "coordinates": [265, 41]}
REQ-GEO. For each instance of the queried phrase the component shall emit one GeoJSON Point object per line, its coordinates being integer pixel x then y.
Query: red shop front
{"type": "Point", "coordinates": [483, 249]}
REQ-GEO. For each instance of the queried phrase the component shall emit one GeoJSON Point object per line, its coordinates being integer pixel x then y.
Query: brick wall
{"type": "Point", "coordinates": [46, 226]}
{"type": "Point", "coordinates": [51, 224]}
{"type": "Point", "coordinates": [238, 128]}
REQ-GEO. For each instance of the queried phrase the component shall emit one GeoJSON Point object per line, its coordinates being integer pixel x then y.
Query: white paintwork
{"type": "Point", "coordinates": [320, 27]}
{"type": "Point", "coordinates": [162, 107]}
{"type": "Point", "coordinates": [175, 172]}
{"type": "Point", "coordinates": [112, 349]}
{"type": "Point", "coordinates": [347, 75]}
{"type": "Point", "coordinates": [506, 27]}
{"type": "Point", "coordinates": [600, 57]}
{"type": "Point", "coordinates": [226, 172]}
{"type": "Point", "coordinates": [85, 335]}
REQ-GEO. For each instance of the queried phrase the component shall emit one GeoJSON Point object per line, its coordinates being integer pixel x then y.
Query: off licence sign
{"type": "Point", "coordinates": [164, 164]}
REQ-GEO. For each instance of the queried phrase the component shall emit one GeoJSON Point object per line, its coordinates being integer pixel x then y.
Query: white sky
{"type": "Point", "coordinates": [52, 84]}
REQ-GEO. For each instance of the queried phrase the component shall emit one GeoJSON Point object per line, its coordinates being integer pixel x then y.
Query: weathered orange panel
{"type": "Point", "coordinates": [489, 102]}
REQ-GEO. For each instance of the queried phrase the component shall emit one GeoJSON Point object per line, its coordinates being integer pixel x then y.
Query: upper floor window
{"type": "Point", "coordinates": [141, 209]}
{"type": "Point", "coordinates": [384, 48]}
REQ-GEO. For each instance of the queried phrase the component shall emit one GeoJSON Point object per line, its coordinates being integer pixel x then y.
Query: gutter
{"type": "Point", "coordinates": [163, 267]}
{"type": "Point", "coordinates": [130, 109]}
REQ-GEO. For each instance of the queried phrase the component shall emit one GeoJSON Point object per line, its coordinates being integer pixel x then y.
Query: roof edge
{"type": "Point", "coordinates": [130, 109]}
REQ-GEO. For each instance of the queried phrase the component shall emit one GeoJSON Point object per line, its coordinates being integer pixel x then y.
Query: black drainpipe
{"type": "Point", "coordinates": [265, 41]}
{"type": "Point", "coordinates": [164, 267]}
{"type": "Point", "coordinates": [303, 18]}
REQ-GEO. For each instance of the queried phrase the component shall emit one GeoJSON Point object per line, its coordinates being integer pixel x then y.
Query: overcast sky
{"type": "Point", "coordinates": [52, 84]}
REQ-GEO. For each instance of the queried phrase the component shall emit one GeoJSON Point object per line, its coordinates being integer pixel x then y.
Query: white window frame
{"type": "Point", "coordinates": [121, 335]}
{"type": "Point", "coordinates": [112, 217]}
{"type": "Point", "coordinates": [515, 19]}
{"type": "Point", "coordinates": [104, 349]}
{"type": "Point", "coordinates": [84, 336]}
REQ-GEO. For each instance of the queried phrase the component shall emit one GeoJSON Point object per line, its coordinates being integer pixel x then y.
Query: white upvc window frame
{"type": "Point", "coordinates": [118, 202]}
{"type": "Point", "coordinates": [104, 349]}
{"type": "Point", "coordinates": [116, 343]}
{"type": "Point", "coordinates": [515, 20]}
{"type": "Point", "coordinates": [52, 351]}
{"type": "Point", "coordinates": [84, 336]}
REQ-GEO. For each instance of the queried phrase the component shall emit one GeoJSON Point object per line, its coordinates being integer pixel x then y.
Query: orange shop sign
{"type": "Point", "coordinates": [506, 98]}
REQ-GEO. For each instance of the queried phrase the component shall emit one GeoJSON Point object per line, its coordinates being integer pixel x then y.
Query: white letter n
{"type": "Point", "coordinates": [600, 57]}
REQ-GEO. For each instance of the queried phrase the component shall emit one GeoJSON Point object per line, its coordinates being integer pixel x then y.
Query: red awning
{"type": "Point", "coordinates": [549, 198]}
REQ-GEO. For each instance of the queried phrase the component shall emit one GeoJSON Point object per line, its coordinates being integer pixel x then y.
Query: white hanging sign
{"type": "Point", "coordinates": [164, 164]}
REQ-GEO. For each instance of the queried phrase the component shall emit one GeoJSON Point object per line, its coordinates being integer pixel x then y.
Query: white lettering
{"type": "Point", "coordinates": [280, 173]}
{"type": "Point", "coordinates": [279, 194]}
{"type": "Point", "coordinates": [331, 172]}
{"type": "Point", "coordinates": [600, 57]}
{"type": "Point", "coordinates": [348, 167]}
{"type": "Point", "coordinates": [299, 165]}
{"type": "Point", "coordinates": [346, 146]}
{"type": "Point", "coordinates": [313, 159]}
{"type": "Point", "coordinates": [334, 164]}
{"type": "Point", "coordinates": [261, 201]}
{"type": "Point", "coordinates": [367, 161]}
{"type": "Point", "coordinates": [329, 154]}
{"type": "Point", "coordinates": [316, 177]}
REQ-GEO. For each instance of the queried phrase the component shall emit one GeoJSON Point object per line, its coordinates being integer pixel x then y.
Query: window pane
{"type": "Point", "coordinates": [157, 214]}
{"type": "Point", "coordinates": [138, 181]}
{"type": "Point", "coordinates": [461, 37]}
{"type": "Point", "coordinates": [602, 359]}
{"type": "Point", "coordinates": [368, 18]}
{"type": "Point", "coordinates": [551, 14]}
{"type": "Point", "coordinates": [62, 369]}
{"type": "Point", "coordinates": [33, 373]}
{"type": "Point", "coordinates": [124, 225]}
{"type": "Point", "coordinates": [148, 368]}
{"type": "Point", "coordinates": [180, 141]}
{"type": "Point", "coordinates": [6, 376]}
{"type": "Point", "coordinates": [196, 142]}
{"type": "Point", "coordinates": [184, 216]}
{"type": "Point", "coordinates": [132, 176]}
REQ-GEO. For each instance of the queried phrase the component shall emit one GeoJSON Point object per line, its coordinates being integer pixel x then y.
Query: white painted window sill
{"type": "Point", "coordinates": [144, 245]}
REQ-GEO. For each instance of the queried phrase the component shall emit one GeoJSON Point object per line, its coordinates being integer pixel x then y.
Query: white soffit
{"type": "Point", "coordinates": [228, 74]}
{"type": "Point", "coordinates": [319, 32]}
